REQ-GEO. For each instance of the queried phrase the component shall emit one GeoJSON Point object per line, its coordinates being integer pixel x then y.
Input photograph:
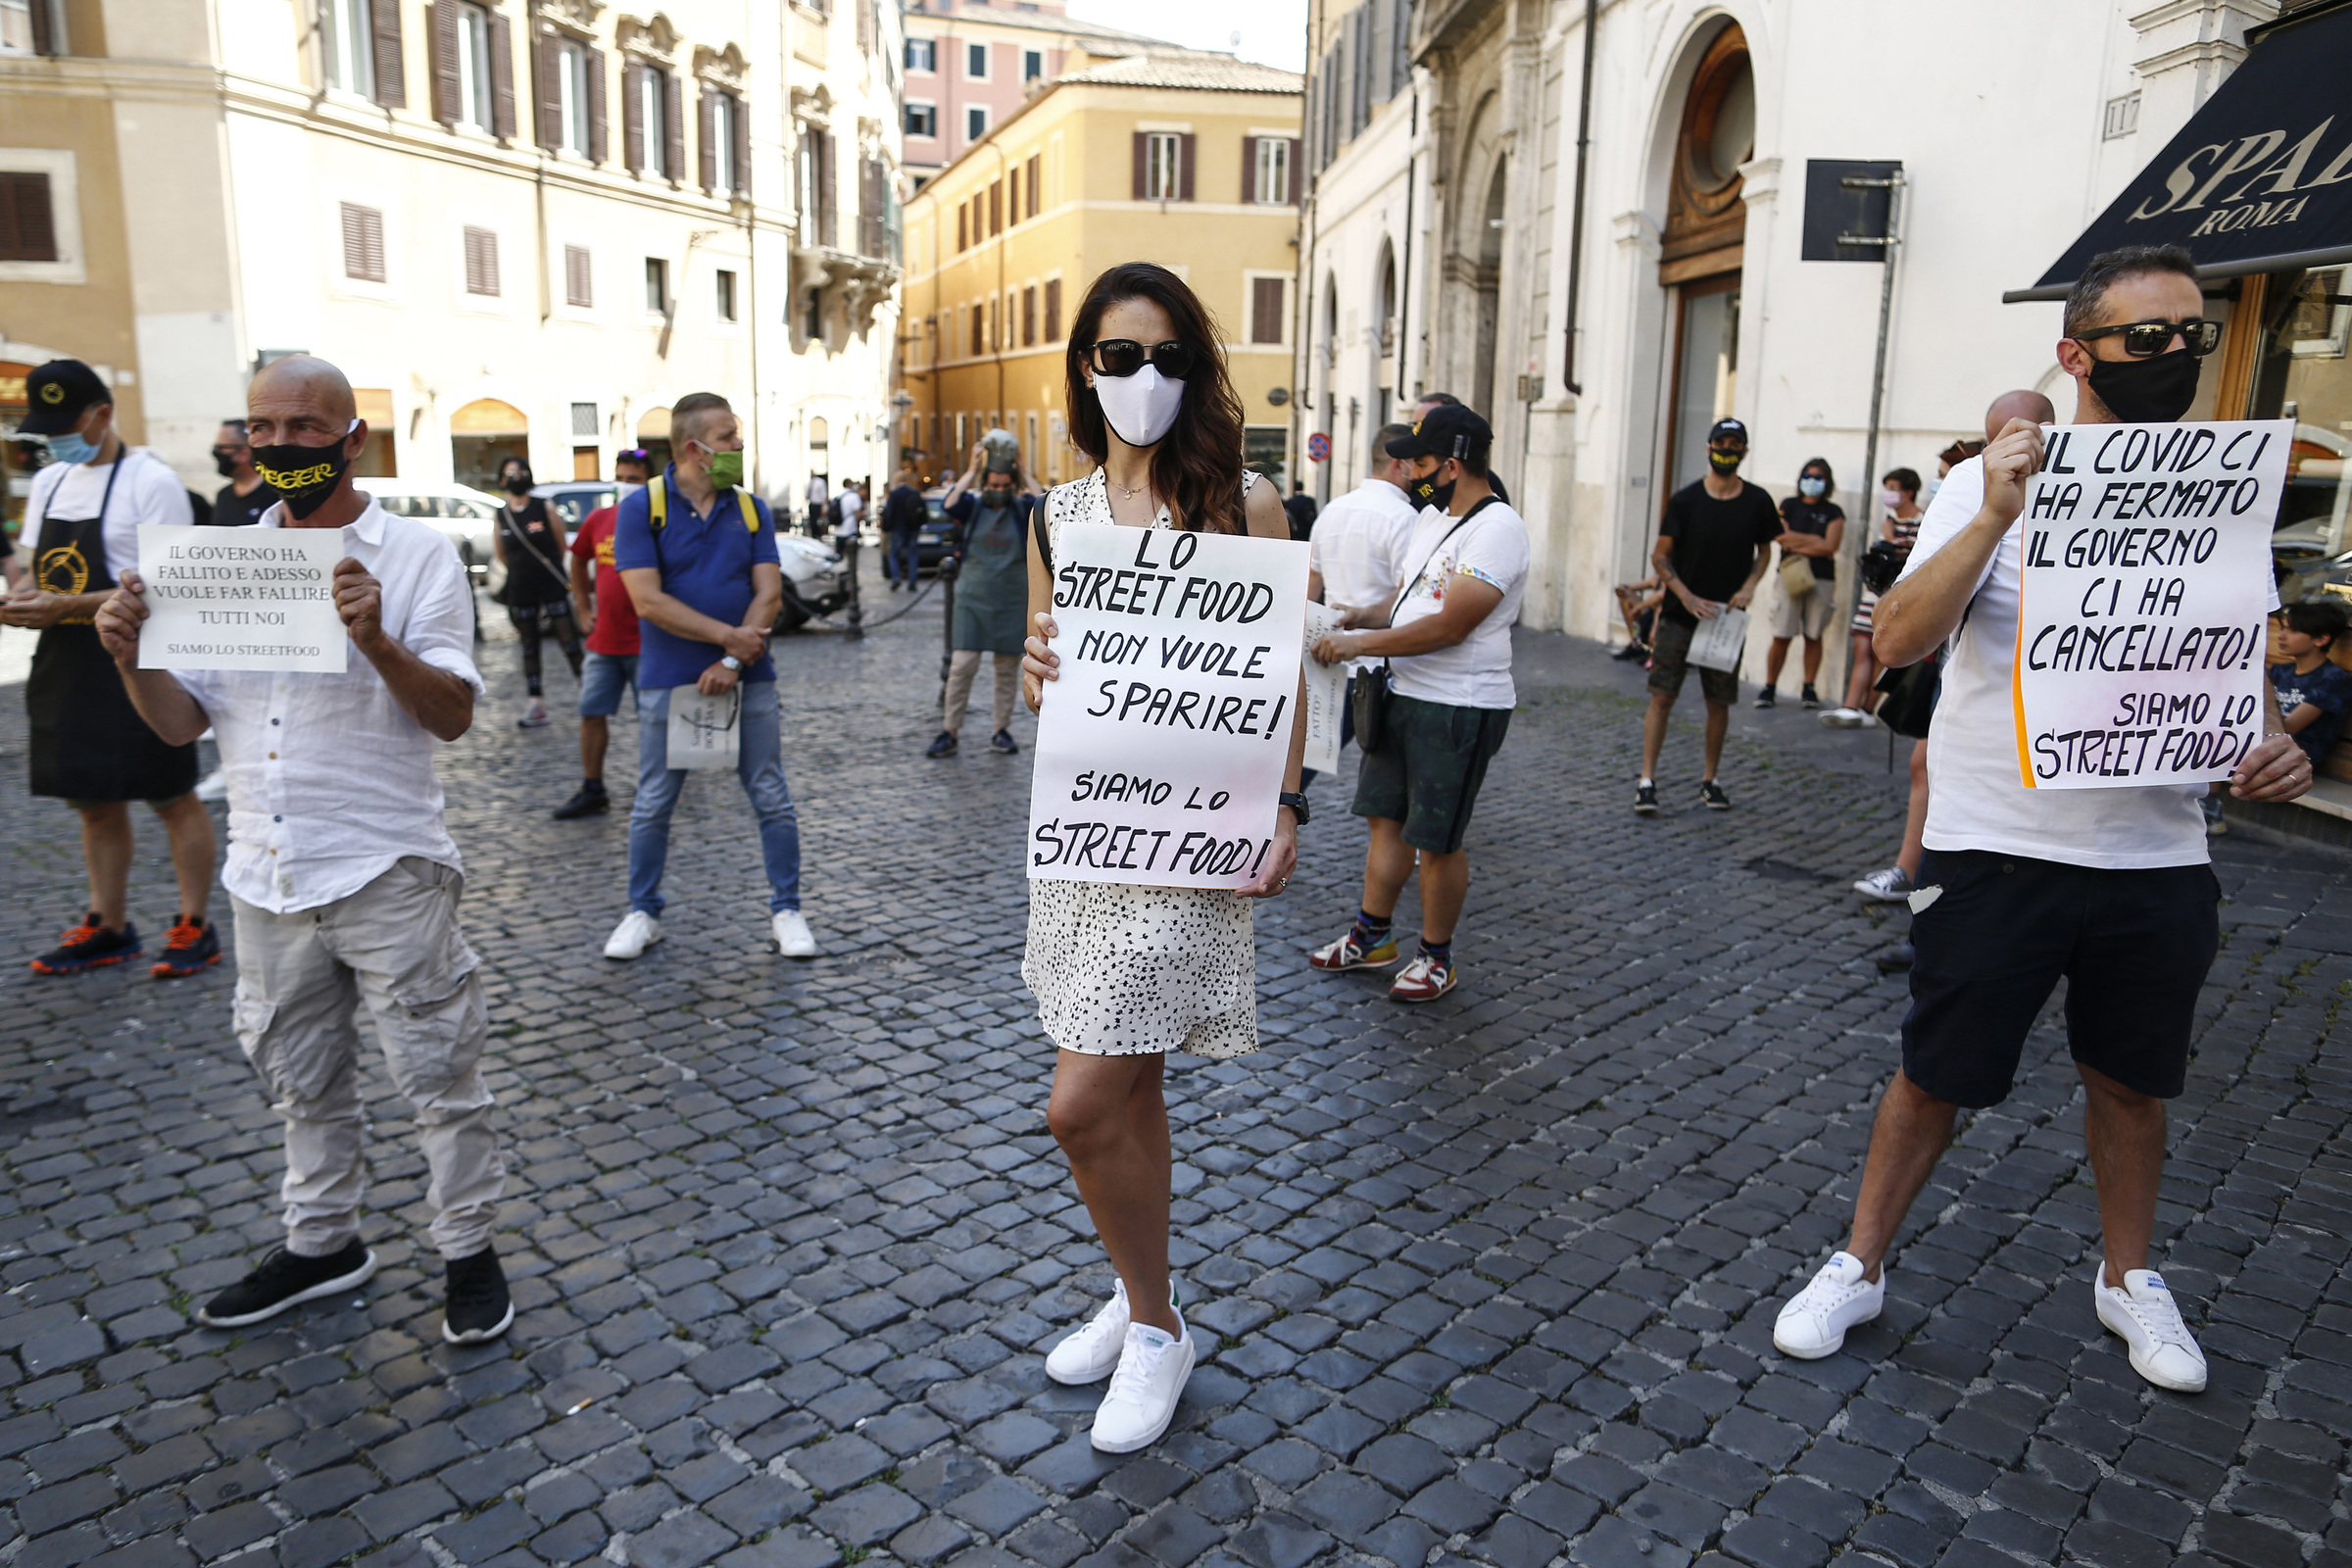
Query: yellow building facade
{"type": "Point", "coordinates": [1183, 158]}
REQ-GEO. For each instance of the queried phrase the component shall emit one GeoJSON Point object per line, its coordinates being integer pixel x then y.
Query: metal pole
{"type": "Point", "coordinates": [1877, 372]}
{"type": "Point", "coordinates": [1576, 224]}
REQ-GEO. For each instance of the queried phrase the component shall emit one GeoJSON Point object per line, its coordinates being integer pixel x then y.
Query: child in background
{"type": "Point", "coordinates": [2315, 693]}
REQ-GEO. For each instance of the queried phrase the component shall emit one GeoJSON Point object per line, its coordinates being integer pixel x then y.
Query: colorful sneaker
{"type": "Point", "coordinates": [285, 1278]}
{"type": "Point", "coordinates": [2145, 1316]}
{"type": "Point", "coordinates": [1154, 1367]}
{"type": "Point", "coordinates": [1890, 886]}
{"type": "Point", "coordinates": [476, 1305]}
{"type": "Point", "coordinates": [1711, 795]}
{"type": "Point", "coordinates": [191, 948]}
{"type": "Point", "coordinates": [1814, 1322]}
{"type": "Point", "coordinates": [1425, 979]}
{"type": "Point", "coordinates": [1349, 953]}
{"type": "Point", "coordinates": [1645, 800]}
{"type": "Point", "coordinates": [89, 945]}
{"type": "Point", "coordinates": [533, 716]}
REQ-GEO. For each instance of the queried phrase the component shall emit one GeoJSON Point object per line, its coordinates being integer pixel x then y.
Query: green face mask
{"type": "Point", "coordinates": [726, 470]}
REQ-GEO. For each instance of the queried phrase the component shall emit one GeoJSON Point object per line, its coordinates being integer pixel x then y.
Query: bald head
{"type": "Point", "coordinates": [299, 400]}
{"type": "Point", "coordinates": [2030, 407]}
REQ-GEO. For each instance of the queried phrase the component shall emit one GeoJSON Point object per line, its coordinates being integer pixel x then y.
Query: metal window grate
{"type": "Point", "coordinates": [583, 419]}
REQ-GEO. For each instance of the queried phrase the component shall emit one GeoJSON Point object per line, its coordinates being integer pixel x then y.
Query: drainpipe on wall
{"type": "Point", "coordinates": [1404, 271]}
{"type": "Point", "coordinates": [1576, 220]}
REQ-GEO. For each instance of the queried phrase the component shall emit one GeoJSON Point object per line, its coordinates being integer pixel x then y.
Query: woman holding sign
{"type": "Point", "coordinates": [1125, 973]}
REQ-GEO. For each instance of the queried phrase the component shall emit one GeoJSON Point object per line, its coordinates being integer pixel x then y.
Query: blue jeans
{"type": "Point", "coordinates": [759, 764]}
{"type": "Point", "coordinates": [901, 561]}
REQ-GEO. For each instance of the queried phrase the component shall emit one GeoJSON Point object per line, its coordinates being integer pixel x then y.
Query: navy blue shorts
{"type": "Point", "coordinates": [2133, 946]}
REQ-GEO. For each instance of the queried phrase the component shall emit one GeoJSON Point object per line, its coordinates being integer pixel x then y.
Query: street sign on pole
{"type": "Point", "coordinates": [1318, 448]}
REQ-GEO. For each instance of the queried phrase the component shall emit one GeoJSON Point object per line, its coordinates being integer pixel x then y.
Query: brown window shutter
{"type": "Point", "coordinates": [363, 243]}
{"type": "Point", "coordinates": [1297, 173]}
{"type": "Point", "coordinates": [1033, 198]}
{"type": "Point", "coordinates": [502, 76]}
{"type": "Point", "coordinates": [1248, 169]}
{"type": "Point", "coordinates": [481, 261]}
{"type": "Point", "coordinates": [1052, 309]}
{"type": "Point", "coordinates": [596, 105]}
{"type": "Point", "coordinates": [547, 90]}
{"type": "Point", "coordinates": [1013, 196]}
{"type": "Point", "coordinates": [1265, 309]}
{"type": "Point", "coordinates": [705, 138]}
{"type": "Point", "coordinates": [43, 42]}
{"type": "Point", "coordinates": [962, 243]}
{"type": "Point", "coordinates": [391, 81]}
{"type": "Point", "coordinates": [28, 222]}
{"type": "Point", "coordinates": [828, 205]}
{"type": "Point", "coordinates": [996, 208]}
{"type": "Point", "coordinates": [1142, 164]}
{"type": "Point", "coordinates": [580, 276]}
{"type": "Point", "coordinates": [1184, 166]}
{"type": "Point", "coordinates": [1028, 318]}
{"type": "Point", "coordinates": [673, 128]}
{"type": "Point", "coordinates": [441, 22]}
{"type": "Point", "coordinates": [632, 116]}
{"type": "Point", "coordinates": [741, 122]}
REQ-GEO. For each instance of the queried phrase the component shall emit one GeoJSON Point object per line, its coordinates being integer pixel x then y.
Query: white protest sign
{"type": "Point", "coordinates": [241, 599]}
{"type": "Point", "coordinates": [1162, 744]}
{"type": "Point", "coordinates": [702, 730]}
{"type": "Point", "coordinates": [1326, 693]}
{"type": "Point", "coordinates": [2144, 568]}
{"type": "Point", "coordinates": [1719, 640]}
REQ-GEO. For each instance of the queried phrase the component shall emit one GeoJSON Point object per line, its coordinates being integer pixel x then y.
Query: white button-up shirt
{"type": "Point", "coordinates": [1358, 545]}
{"type": "Point", "coordinates": [331, 782]}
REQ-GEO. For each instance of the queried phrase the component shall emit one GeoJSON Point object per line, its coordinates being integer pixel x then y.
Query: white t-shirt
{"type": "Point", "coordinates": [1975, 800]}
{"type": "Point", "coordinates": [1358, 545]}
{"type": "Point", "coordinates": [146, 491]}
{"type": "Point", "coordinates": [850, 507]}
{"type": "Point", "coordinates": [1492, 547]}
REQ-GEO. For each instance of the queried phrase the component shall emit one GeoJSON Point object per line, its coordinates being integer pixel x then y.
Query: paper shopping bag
{"type": "Point", "coordinates": [1716, 644]}
{"type": "Point", "coordinates": [702, 730]}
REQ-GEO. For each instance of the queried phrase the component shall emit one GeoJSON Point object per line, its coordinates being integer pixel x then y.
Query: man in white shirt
{"type": "Point", "coordinates": [818, 493]}
{"type": "Point", "coordinates": [90, 746]}
{"type": "Point", "coordinates": [1356, 548]}
{"type": "Point", "coordinates": [2109, 888]}
{"type": "Point", "coordinates": [343, 877]}
{"type": "Point", "coordinates": [1450, 703]}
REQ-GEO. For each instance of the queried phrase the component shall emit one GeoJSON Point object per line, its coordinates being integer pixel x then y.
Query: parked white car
{"type": "Point", "coordinates": [469, 516]}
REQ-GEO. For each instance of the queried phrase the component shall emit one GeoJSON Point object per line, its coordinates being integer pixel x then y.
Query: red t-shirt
{"type": "Point", "coordinates": [615, 632]}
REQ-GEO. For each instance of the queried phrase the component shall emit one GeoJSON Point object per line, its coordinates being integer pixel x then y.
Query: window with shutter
{"type": "Point", "coordinates": [1400, 44]}
{"type": "Point", "coordinates": [28, 221]}
{"type": "Point", "coordinates": [391, 81]}
{"type": "Point", "coordinates": [593, 69]}
{"type": "Point", "coordinates": [441, 23]}
{"type": "Point", "coordinates": [1359, 70]}
{"type": "Point", "coordinates": [481, 261]}
{"type": "Point", "coordinates": [828, 206]}
{"type": "Point", "coordinates": [1163, 171]}
{"type": "Point", "coordinates": [547, 91]}
{"type": "Point", "coordinates": [1031, 184]}
{"type": "Point", "coordinates": [632, 116]}
{"type": "Point", "coordinates": [1052, 310]}
{"type": "Point", "coordinates": [739, 147]}
{"type": "Point", "coordinates": [579, 283]}
{"type": "Point", "coordinates": [1029, 318]}
{"type": "Point", "coordinates": [1013, 196]}
{"type": "Point", "coordinates": [706, 136]}
{"type": "Point", "coordinates": [1266, 309]}
{"type": "Point", "coordinates": [674, 116]}
{"type": "Point", "coordinates": [1270, 170]}
{"type": "Point", "coordinates": [346, 40]}
{"type": "Point", "coordinates": [963, 243]}
{"type": "Point", "coordinates": [978, 325]}
{"type": "Point", "coordinates": [1384, 18]}
{"type": "Point", "coordinates": [363, 243]}
{"type": "Point", "coordinates": [996, 208]}
{"type": "Point", "coordinates": [1184, 165]}
{"type": "Point", "coordinates": [500, 33]}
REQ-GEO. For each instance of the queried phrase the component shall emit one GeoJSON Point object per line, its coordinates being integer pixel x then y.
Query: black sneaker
{"type": "Point", "coordinates": [478, 1309]}
{"type": "Point", "coordinates": [590, 800]}
{"type": "Point", "coordinates": [283, 1280]}
{"type": "Point", "coordinates": [1768, 698]}
{"type": "Point", "coordinates": [1812, 698]}
{"type": "Point", "coordinates": [89, 945]}
{"type": "Point", "coordinates": [1002, 741]}
{"type": "Point", "coordinates": [944, 745]}
{"type": "Point", "coordinates": [1645, 800]}
{"type": "Point", "coordinates": [1711, 795]}
{"type": "Point", "coordinates": [1897, 959]}
{"type": "Point", "coordinates": [1631, 651]}
{"type": "Point", "coordinates": [194, 946]}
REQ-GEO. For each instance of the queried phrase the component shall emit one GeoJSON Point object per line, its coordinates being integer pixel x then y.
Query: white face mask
{"type": "Point", "coordinates": [1933, 485]}
{"type": "Point", "coordinates": [1143, 407]}
{"type": "Point", "coordinates": [1812, 487]}
{"type": "Point", "coordinates": [1894, 500]}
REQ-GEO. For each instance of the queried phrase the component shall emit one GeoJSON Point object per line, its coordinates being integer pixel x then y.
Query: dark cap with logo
{"type": "Point", "coordinates": [1447, 431]}
{"type": "Point", "coordinates": [56, 394]}
{"type": "Point", "coordinates": [1727, 430]}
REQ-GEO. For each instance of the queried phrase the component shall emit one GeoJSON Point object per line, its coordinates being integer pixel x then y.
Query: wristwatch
{"type": "Point", "coordinates": [731, 661]}
{"type": "Point", "coordinates": [1297, 803]}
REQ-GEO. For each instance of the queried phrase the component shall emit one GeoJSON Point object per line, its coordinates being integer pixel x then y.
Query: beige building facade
{"type": "Point", "coordinates": [520, 226]}
{"type": "Point", "coordinates": [1183, 158]}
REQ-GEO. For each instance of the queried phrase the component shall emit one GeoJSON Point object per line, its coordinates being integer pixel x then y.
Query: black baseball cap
{"type": "Point", "coordinates": [1727, 430]}
{"type": "Point", "coordinates": [56, 396]}
{"type": "Point", "coordinates": [1447, 431]}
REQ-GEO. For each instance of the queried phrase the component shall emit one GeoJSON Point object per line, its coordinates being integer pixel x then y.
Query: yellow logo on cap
{"type": "Point", "coordinates": [54, 392]}
{"type": "Point", "coordinates": [1416, 427]}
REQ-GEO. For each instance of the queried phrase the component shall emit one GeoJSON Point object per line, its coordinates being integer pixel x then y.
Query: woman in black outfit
{"type": "Point", "coordinates": [529, 544]}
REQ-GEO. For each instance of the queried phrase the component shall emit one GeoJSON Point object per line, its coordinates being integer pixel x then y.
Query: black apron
{"type": "Point", "coordinates": [88, 742]}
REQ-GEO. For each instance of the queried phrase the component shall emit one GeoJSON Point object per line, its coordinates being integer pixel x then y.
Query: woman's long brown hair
{"type": "Point", "coordinates": [1196, 467]}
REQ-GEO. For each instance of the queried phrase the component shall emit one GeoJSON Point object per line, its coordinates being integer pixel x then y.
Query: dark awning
{"type": "Point", "coordinates": [2259, 179]}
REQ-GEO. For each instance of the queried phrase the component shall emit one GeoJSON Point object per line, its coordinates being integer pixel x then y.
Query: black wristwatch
{"type": "Point", "coordinates": [1297, 803]}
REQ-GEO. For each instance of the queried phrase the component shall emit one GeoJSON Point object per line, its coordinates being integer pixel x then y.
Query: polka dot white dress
{"type": "Point", "coordinates": [1121, 971]}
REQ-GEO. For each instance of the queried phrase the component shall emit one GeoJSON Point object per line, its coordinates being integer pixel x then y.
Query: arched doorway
{"type": "Point", "coordinates": [483, 434]}
{"type": "Point", "coordinates": [653, 438]}
{"type": "Point", "coordinates": [1700, 251]}
{"type": "Point", "coordinates": [1487, 289]}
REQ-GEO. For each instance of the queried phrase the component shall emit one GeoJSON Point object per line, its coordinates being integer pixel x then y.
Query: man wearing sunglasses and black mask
{"type": "Point", "coordinates": [2109, 888]}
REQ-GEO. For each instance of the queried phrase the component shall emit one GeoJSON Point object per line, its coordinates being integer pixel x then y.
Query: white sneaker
{"type": "Point", "coordinates": [214, 786]}
{"type": "Point", "coordinates": [1844, 719]}
{"type": "Point", "coordinates": [793, 937]}
{"type": "Point", "coordinates": [1814, 1322]}
{"type": "Point", "coordinates": [1153, 1369]}
{"type": "Point", "coordinates": [636, 932]}
{"type": "Point", "coordinates": [1890, 886]}
{"type": "Point", "coordinates": [1091, 1352]}
{"type": "Point", "coordinates": [2146, 1317]}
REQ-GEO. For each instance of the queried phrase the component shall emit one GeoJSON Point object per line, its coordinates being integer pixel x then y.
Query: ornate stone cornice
{"type": "Point", "coordinates": [724, 67]}
{"type": "Point", "coordinates": [657, 39]}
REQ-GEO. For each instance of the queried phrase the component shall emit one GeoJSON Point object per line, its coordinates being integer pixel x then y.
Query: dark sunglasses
{"type": "Point", "coordinates": [1124, 356]}
{"type": "Point", "coordinates": [2144, 340]}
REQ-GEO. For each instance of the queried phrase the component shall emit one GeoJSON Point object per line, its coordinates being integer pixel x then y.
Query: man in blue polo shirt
{"type": "Point", "coordinates": [706, 587]}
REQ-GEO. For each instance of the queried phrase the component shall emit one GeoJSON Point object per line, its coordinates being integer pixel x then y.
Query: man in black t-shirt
{"type": "Point", "coordinates": [1301, 510]}
{"type": "Point", "coordinates": [1712, 549]}
{"type": "Point", "coordinates": [247, 495]}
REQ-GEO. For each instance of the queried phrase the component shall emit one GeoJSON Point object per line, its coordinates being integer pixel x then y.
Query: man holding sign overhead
{"type": "Point", "coordinates": [2038, 867]}
{"type": "Point", "coordinates": [344, 880]}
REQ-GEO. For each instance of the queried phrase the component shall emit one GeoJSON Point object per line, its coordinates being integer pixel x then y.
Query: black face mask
{"type": "Point", "coordinates": [225, 461]}
{"type": "Point", "coordinates": [1726, 463]}
{"type": "Point", "coordinates": [1429, 493]}
{"type": "Point", "coordinates": [517, 485]}
{"type": "Point", "coordinates": [2152, 391]}
{"type": "Point", "coordinates": [303, 476]}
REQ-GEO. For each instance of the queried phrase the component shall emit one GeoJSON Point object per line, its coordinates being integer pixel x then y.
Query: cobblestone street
{"type": "Point", "coordinates": [1490, 1282]}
